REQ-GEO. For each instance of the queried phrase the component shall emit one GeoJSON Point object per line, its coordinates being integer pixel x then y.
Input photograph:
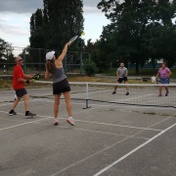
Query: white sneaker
{"type": "Point", "coordinates": [71, 121]}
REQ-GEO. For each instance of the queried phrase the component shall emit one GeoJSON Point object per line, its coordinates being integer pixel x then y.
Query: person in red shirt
{"type": "Point", "coordinates": [19, 79]}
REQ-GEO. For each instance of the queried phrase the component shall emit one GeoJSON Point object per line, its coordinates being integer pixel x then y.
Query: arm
{"type": "Point", "coordinates": [28, 76]}
{"type": "Point", "coordinates": [64, 52]}
{"type": "Point", "coordinates": [126, 73]}
{"type": "Point", "coordinates": [157, 75]}
{"type": "Point", "coordinates": [24, 80]}
{"type": "Point", "coordinates": [117, 73]}
{"type": "Point", "coordinates": [170, 73]}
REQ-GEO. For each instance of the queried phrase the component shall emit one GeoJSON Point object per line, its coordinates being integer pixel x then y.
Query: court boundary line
{"type": "Point", "coordinates": [134, 150]}
{"type": "Point", "coordinates": [90, 156]}
{"type": "Point", "coordinates": [132, 98]}
{"type": "Point", "coordinates": [109, 133]}
{"type": "Point", "coordinates": [73, 164]}
{"type": "Point", "coordinates": [116, 125]}
{"type": "Point", "coordinates": [82, 121]}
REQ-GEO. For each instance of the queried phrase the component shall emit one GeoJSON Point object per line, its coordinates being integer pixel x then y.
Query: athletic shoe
{"type": "Point", "coordinates": [114, 92]}
{"type": "Point", "coordinates": [160, 95]}
{"type": "Point", "coordinates": [12, 112]}
{"type": "Point", "coordinates": [166, 93]}
{"type": "Point", "coordinates": [71, 121]}
{"type": "Point", "coordinates": [30, 115]}
{"type": "Point", "coordinates": [127, 93]}
{"type": "Point", "coordinates": [56, 123]}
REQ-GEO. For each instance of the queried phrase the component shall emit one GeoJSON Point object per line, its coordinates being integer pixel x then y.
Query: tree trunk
{"type": "Point", "coordinates": [137, 68]}
{"type": "Point", "coordinates": [153, 63]}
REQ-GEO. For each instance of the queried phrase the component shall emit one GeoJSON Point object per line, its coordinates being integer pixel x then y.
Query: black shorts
{"type": "Point", "coordinates": [61, 87]}
{"type": "Point", "coordinates": [20, 92]}
{"type": "Point", "coordinates": [120, 80]}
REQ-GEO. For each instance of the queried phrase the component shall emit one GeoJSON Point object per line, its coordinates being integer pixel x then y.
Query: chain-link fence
{"type": "Point", "coordinates": [75, 62]}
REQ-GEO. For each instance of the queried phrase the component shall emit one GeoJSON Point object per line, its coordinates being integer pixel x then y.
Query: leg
{"type": "Point", "coordinates": [69, 108]}
{"type": "Point", "coordinates": [127, 88]}
{"type": "Point", "coordinates": [56, 105]}
{"type": "Point", "coordinates": [167, 91]}
{"type": "Point", "coordinates": [115, 87]}
{"type": "Point", "coordinates": [26, 102]}
{"type": "Point", "coordinates": [68, 103]}
{"type": "Point", "coordinates": [160, 90]}
{"type": "Point", "coordinates": [16, 102]}
{"type": "Point", "coordinates": [56, 108]}
{"type": "Point", "coordinates": [12, 112]}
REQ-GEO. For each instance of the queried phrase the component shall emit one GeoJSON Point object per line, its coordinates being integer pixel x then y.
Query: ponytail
{"type": "Point", "coordinates": [50, 65]}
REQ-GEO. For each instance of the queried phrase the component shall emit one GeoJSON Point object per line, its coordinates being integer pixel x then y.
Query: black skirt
{"type": "Point", "coordinates": [61, 87]}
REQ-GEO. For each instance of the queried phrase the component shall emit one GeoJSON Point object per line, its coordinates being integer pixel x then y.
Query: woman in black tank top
{"type": "Point", "coordinates": [54, 67]}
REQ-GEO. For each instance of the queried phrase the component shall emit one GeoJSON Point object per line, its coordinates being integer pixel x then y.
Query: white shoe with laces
{"type": "Point", "coordinates": [71, 121]}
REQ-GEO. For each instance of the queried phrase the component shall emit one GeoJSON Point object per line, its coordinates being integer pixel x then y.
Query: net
{"type": "Point", "coordinates": [101, 93]}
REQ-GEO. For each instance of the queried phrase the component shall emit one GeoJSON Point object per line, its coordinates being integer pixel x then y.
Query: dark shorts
{"type": "Point", "coordinates": [61, 87]}
{"type": "Point", "coordinates": [20, 92]}
{"type": "Point", "coordinates": [120, 80]}
{"type": "Point", "coordinates": [164, 80]}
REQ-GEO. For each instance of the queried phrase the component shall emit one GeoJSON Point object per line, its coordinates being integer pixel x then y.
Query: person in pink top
{"type": "Point", "coordinates": [164, 73]}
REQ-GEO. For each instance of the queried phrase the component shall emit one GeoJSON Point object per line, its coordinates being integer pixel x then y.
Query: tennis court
{"type": "Point", "coordinates": [110, 138]}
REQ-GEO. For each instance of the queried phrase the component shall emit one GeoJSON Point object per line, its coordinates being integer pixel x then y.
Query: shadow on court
{"type": "Point", "coordinates": [107, 141]}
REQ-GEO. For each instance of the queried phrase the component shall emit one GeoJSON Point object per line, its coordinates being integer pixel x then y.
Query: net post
{"type": "Point", "coordinates": [87, 96]}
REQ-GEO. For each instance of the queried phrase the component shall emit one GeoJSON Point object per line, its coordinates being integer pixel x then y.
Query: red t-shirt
{"type": "Point", "coordinates": [18, 73]}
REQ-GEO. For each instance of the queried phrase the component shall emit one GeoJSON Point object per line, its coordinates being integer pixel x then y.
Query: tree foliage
{"type": "Point", "coordinates": [139, 30]}
{"type": "Point", "coordinates": [54, 25]}
{"type": "Point", "coordinates": [6, 50]}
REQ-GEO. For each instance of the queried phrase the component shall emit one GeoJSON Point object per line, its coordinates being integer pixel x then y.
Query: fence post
{"type": "Point", "coordinates": [39, 60]}
{"type": "Point", "coordinates": [4, 69]}
{"type": "Point", "coordinates": [87, 96]}
{"type": "Point", "coordinates": [81, 71]}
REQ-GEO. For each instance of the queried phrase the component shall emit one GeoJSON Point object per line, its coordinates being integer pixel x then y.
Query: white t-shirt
{"type": "Point", "coordinates": [122, 71]}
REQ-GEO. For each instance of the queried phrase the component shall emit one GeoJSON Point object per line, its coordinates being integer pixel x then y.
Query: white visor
{"type": "Point", "coordinates": [50, 55]}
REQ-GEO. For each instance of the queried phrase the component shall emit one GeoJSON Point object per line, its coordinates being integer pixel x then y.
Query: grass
{"type": "Point", "coordinates": [142, 72]}
{"type": "Point", "coordinates": [5, 84]}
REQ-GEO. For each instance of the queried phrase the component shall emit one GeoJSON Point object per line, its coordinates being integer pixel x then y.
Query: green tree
{"type": "Point", "coordinates": [139, 30]}
{"type": "Point", "coordinates": [53, 26]}
{"type": "Point", "coordinates": [6, 50]}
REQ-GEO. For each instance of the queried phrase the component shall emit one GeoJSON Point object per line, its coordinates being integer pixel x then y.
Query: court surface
{"type": "Point", "coordinates": [108, 140]}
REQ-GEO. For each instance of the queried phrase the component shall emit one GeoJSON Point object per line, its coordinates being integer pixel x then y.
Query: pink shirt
{"type": "Point", "coordinates": [164, 72]}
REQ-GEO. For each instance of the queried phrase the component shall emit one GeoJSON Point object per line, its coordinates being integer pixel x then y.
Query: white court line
{"type": "Point", "coordinates": [6, 104]}
{"type": "Point", "coordinates": [34, 121]}
{"type": "Point", "coordinates": [134, 150]}
{"type": "Point", "coordinates": [26, 123]}
{"type": "Point", "coordinates": [109, 133]}
{"type": "Point", "coordinates": [136, 97]}
{"type": "Point", "coordinates": [115, 125]}
{"type": "Point", "coordinates": [90, 156]}
{"type": "Point", "coordinates": [91, 122]}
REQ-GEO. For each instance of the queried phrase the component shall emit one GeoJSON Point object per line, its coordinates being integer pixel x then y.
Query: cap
{"type": "Point", "coordinates": [50, 55]}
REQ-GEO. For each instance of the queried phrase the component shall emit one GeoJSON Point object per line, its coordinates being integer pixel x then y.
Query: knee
{"type": "Point", "coordinates": [57, 102]}
{"type": "Point", "coordinates": [26, 97]}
